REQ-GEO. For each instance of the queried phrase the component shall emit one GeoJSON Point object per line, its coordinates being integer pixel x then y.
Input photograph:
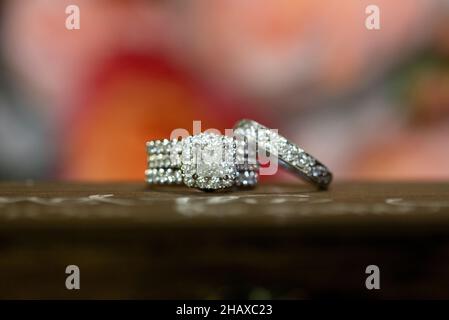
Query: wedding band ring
{"type": "Point", "coordinates": [290, 156]}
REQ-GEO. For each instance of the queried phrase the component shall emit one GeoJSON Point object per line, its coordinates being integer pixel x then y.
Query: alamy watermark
{"type": "Point", "coordinates": [373, 280]}
{"type": "Point", "coordinates": [72, 282]}
{"type": "Point", "coordinates": [73, 20]}
{"type": "Point", "coordinates": [372, 21]}
{"type": "Point", "coordinates": [261, 149]}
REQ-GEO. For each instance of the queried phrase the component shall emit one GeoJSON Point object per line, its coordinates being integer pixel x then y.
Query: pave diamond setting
{"type": "Point", "coordinates": [164, 165]}
{"type": "Point", "coordinates": [208, 161]}
{"type": "Point", "coordinates": [290, 155]}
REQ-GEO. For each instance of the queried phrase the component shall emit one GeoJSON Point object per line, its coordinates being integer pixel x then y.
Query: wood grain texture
{"type": "Point", "coordinates": [278, 241]}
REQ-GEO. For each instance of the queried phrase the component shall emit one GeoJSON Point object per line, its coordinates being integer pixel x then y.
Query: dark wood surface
{"type": "Point", "coordinates": [275, 241]}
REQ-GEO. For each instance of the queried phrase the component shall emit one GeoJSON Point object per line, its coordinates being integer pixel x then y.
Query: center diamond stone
{"type": "Point", "coordinates": [208, 161]}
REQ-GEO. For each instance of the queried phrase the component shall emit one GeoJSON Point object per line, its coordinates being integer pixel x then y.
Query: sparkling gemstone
{"type": "Point", "coordinates": [208, 161]}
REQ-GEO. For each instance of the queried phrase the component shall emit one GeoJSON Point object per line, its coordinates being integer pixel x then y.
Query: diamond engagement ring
{"type": "Point", "coordinates": [290, 156]}
{"type": "Point", "coordinates": [206, 161]}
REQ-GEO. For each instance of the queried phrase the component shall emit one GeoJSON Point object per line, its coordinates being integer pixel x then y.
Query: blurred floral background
{"type": "Point", "coordinates": [80, 104]}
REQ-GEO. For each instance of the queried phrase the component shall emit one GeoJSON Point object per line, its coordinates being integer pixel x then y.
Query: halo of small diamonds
{"type": "Point", "coordinates": [164, 165]}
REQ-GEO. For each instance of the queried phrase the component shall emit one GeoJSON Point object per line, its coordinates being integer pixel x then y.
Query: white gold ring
{"type": "Point", "coordinates": [206, 161]}
{"type": "Point", "coordinates": [290, 156]}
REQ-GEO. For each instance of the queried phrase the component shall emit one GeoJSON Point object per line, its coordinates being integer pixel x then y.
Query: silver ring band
{"type": "Point", "coordinates": [290, 156]}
